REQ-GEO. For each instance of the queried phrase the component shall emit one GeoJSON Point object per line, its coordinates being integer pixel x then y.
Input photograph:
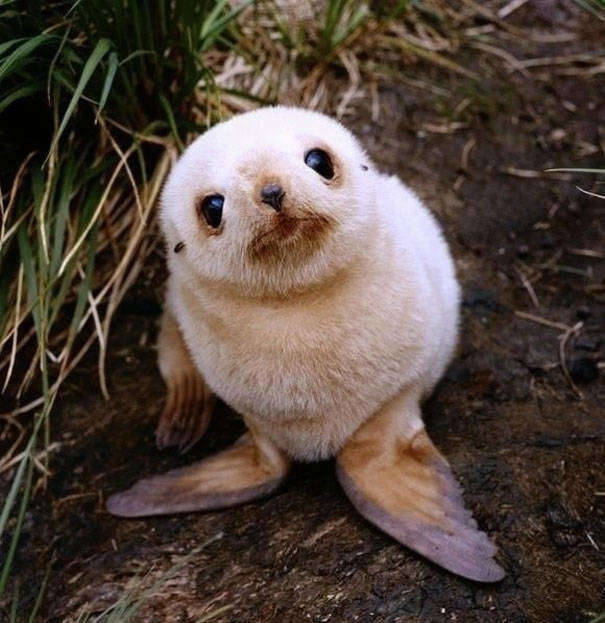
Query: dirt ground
{"type": "Point", "coordinates": [528, 447]}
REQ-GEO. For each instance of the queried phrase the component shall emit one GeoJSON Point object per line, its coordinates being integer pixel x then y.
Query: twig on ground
{"type": "Point", "coordinates": [587, 253]}
{"type": "Point", "coordinates": [562, 344]}
{"type": "Point", "coordinates": [509, 8]}
{"type": "Point", "coordinates": [515, 64]}
{"type": "Point", "coordinates": [591, 194]}
{"type": "Point", "coordinates": [37, 458]}
{"type": "Point", "coordinates": [543, 321]}
{"type": "Point", "coordinates": [561, 60]}
{"type": "Point", "coordinates": [443, 128]}
{"type": "Point", "coordinates": [466, 151]}
{"type": "Point", "coordinates": [528, 286]}
{"type": "Point", "coordinates": [534, 174]}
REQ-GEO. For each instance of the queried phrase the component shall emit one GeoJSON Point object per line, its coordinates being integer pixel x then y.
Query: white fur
{"type": "Point", "coordinates": [308, 344]}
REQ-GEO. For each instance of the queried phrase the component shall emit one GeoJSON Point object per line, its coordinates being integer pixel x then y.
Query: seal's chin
{"type": "Point", "coordinates": [288, 236]}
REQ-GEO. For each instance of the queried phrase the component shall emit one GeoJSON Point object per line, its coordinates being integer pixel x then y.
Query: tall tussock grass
{"type": "Point", "coordinates": [109, 81]}
{"type": "Point", "coordinates": [96, 99]}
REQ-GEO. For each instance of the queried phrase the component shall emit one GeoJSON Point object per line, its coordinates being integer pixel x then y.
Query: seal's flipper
{"type": "Point", "coordinates": [186, 413]}
{"type": "Point", "coordinates": [249, 469]}
{"type": "Point", "coordinates": [399, 481]}
{"type": "Point", "coordinates": [189, 401]}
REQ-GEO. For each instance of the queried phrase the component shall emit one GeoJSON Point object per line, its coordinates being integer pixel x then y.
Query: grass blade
{"type": "Point", "coordinates": [111, 72]}
{"type": "Point", "coordinates": [568, 170]}
{"type": "Point", "coordinates": [134, 597]}
{"type": "Point", "coordinates": [39, 597]}
{"type": "Point", "coordinates": [169, 113]}
{"type": "Point", "coordinates": [22, 53]}
{"type": "Point", "coordinates": [8, 44]}
{"type": "Point", "coordinates": [20, 93]}
{"type": "Point", "coordinates": [29, 267]}
{"type": "Point", "coordinates": [102, 47]}
{"type": "Point", "coordinates": [8, 561]}
{"type": "Point", "coordinates": [12, 494]}
{"type": "Point", "coordinates": [213, 27]}
{"type": "Point", "coordinates": [62, 214]}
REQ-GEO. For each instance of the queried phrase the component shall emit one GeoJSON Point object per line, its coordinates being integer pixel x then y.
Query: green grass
{"type": "Point", "coordinates": [117, 86]}
{"type": "Point", "coordinates": [139, 592]}
{"type": "Point", "coordinates": [595, 7]}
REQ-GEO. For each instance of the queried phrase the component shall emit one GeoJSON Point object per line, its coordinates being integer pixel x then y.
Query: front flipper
{"type": "Point", "coordinates": [189, 401]}
{"type": "Point", "coordinates": [253, 467]}
{"type": "Point", "coordinates": [399, 481]}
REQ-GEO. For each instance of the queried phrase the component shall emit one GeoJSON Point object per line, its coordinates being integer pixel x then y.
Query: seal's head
{"type": "Point", "coordinates": [271, 200]}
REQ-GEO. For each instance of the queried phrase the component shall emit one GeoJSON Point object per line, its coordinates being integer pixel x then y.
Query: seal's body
{"type": "Point", "coordinates": [318, 298]}
{"type": "Point", "coordinates": [308, 367]}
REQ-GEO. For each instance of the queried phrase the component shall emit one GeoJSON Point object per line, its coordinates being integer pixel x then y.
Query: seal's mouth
{"type": "Point", "coordinates": [288, 236]}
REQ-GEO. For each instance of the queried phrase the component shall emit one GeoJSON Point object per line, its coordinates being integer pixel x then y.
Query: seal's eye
{"type": "Point", "coordinates": [319, 161]}
{"type": "Point", "coordinates": [211, 208]}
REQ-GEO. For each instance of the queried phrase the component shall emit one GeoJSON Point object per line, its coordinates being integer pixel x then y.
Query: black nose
{"type": "Point", "coordinates": [272, 194]}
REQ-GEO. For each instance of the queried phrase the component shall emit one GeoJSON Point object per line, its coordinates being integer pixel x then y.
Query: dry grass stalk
{"type": "Point", "coordinates": [563, 339]}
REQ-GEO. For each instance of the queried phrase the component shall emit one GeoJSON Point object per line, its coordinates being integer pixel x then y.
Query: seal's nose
{"type": "Point", "coordinates": [272, 194]}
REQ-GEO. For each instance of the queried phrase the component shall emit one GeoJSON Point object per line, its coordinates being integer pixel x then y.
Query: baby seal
{"type": "Point", "coordinates": [316, 297]}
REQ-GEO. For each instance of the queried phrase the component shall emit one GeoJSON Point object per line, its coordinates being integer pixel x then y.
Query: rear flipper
{"type": "Point", "coordinates": [189, 401]}
{"type": "Point", "coordinates": [253, 467]}
{"type": "Point", "coordinates": [399, 481]}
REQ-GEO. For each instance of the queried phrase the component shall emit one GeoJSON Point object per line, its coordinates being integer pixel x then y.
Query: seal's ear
{"type": "Point", "coordinates": [249, 469]}
{"type": "Point", "coordinates": [399, 481]}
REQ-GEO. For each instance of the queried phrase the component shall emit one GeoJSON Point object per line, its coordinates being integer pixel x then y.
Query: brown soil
{"type": "Point", "coordinates": [527, 447]}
